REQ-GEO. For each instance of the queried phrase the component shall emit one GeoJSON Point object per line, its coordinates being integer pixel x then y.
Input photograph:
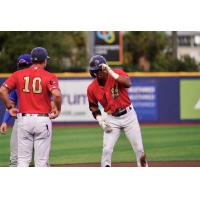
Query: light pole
{"type": "Point", "coordinates": [174, 44]}
{"type": "Point", "coordinates": [89, 44]}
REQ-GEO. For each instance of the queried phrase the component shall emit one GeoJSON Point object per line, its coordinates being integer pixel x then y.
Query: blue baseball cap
{"type": "Point", "coordinates": [39, 54]}
{"type": "Point", "coordinates": [24, 59]}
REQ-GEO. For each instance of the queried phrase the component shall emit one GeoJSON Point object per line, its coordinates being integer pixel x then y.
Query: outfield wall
{"type": "Point", "coordinates": [157, 97]}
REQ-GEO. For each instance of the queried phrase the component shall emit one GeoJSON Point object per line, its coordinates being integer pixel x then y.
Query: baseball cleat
{"type": "Point", "coordinates": [143, 161]}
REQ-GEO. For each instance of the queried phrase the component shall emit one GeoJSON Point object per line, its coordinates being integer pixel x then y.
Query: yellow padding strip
{"type": "Point", "coordinates": [137, 74]}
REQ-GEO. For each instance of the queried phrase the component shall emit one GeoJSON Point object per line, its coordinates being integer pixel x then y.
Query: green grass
{"type": "Point", "coordinates": [84, 145]}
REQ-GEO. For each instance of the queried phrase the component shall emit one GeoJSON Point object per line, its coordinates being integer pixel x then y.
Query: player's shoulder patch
{"type": "Point", "coordinates": [52, 79]}
{"type": "Point", "coordinates": [51, 82]}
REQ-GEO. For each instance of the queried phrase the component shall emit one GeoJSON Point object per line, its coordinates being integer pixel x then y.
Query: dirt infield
{"type": "Point", "coordinates": [151, 164]}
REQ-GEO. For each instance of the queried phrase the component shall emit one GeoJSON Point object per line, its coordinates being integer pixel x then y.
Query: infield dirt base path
{"type": "Point", "coordinates": [151, 164]}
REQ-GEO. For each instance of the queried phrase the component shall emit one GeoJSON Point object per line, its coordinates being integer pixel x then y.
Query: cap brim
{"type": "Point", "coordinates": [95, 68]}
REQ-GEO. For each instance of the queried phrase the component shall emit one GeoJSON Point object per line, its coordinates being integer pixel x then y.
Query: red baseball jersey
{"type": "Point", "coordinates": [34, 86]}
{"type": "Point", "coordinates": [111, 96]}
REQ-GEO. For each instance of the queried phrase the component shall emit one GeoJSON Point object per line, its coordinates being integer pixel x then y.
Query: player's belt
{"type": "Point", "coordinates": [38, 115]}
{"type": "Point", "coordinates": [121, 111]}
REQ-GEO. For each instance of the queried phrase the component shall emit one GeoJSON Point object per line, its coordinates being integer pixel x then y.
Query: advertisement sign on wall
{"type": "Point", "coordinates": [190, 99]}
{"type": "Point", "coordinates": [144, 98]}
{"type": "Point", "coordinates": [75, 106]}
{"type": "Point", "coordinates": [110, 45]}
{"type": "Point", "coordinates": [156, 99]}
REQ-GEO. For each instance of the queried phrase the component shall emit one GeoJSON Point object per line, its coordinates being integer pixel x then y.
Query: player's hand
{"type": "Point", "coordinates": [3, 128]}
{"type": "Point", "coordinates": [105, 67]}
{"type": "Point", "coordinates": [13, 112]}
{"type": "Point", "coordinates": [110, 71]}
{"type": "Point", "coordinates": [106, 127]}
{"type": "Point", "coordinates": [54, 113]}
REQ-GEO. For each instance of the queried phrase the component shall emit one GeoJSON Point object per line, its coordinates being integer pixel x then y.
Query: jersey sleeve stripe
{"type": "Point", "coordinates": [5, 85]}
{"type": "Point", "coordinates": [55, 88]}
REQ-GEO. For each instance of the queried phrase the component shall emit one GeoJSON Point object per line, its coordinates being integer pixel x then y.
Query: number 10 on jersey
{"type": "Point", "coordinates": [36, 85]}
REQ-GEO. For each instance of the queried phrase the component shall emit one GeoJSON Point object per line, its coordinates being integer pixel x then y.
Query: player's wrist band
{"type": "Point", "coordinates": [99, 119]}
{"type": "Point", "coordinates": [96, 113]}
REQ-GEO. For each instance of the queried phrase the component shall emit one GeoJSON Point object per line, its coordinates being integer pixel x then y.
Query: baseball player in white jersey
{"type": "Point", "coordinates": [109, 88]}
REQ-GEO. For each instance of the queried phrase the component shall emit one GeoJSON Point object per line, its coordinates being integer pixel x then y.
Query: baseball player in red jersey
{"type": "Point", "coordinates": [109, 88]}
{"type": "Point", "coordinates": [35, 86]}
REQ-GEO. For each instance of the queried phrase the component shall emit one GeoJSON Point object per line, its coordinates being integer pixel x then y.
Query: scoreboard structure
{"type": "Point", "coordinates": [110, 45]}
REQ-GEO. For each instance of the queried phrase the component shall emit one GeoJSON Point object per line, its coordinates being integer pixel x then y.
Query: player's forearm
{"type": "Point", "coordinates": [95, 111]}
{"type": "Point", "coordinates": [52, 104]}
{"type": "Point", "coordinates": [124, 81]}
{"type": "Point", "coordinates": [57, 102]}
{"type": "Point", "coordinates": [6, 117]}
{"type": "Point", "coordinates": [57, 99]}
{"type": "Point", "coordinates": [97, 114]}
{"type": "Point", "coordinates": [4, 95]}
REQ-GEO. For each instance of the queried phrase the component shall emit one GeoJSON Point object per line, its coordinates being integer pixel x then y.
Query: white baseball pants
{"type": "Point", "coordinates": [129, 123]}
{"type": "Point", "coordinates": [34, 132]}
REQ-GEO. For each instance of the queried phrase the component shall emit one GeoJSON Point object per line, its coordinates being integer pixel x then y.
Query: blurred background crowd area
{"type": "Point", "coordinates": [135, 51]}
